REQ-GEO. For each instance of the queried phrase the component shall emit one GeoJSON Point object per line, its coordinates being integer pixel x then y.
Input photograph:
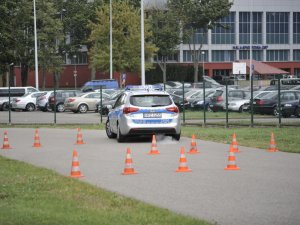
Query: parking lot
{"type": "Point", "coordinates": [265, 191]}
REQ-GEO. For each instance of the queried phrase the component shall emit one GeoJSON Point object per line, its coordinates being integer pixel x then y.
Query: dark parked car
{"type": "Point", "coordinates": [268, 103]}
{"type": "Point", "coordinates": [290, 108]}
{"type": "Point", "coordinates": [61, 95]}
{"type": "Point", "coordinates": [179, 102]}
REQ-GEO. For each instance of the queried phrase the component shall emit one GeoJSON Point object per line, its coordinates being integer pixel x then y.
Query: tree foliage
{"type": "Point", "coordinates": [166, 36]}
{"type": "Point", "coordinates": [194, 15]}
{"type": "Point", "coordinates": [126, 38]}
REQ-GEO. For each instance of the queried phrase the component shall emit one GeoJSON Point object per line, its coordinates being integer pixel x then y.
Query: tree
{"type": "Point", "coordinates": [194, 15]}
{"type": "Point", "coordinates": [126, 38]}
{"type": "Point", "coordinates": [166, 36]}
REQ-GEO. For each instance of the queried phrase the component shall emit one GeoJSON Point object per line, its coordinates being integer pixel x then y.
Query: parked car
{"type": "Point", "coordinates": [143, 112]}
{"type": "Point", "coordinates": [290, 108]}
{"type": "Point", "coordinates": [256, 94]}
{"type": "Point", "coordinates": [179, 102]}
{"type": "Point", "coordinates": [26, 102]}
{"type": "Point", "coordinates": [108, 103]}
{"type": "Point", "coordinates": [16, 91]}
{"type": "Point", "coordinates": [4, 104]}
{"type": "Point", "coordinates": [84, 102]}
{"type": "Point", "coordinates": [57, 103]}
{"type": "Point", "coordinates": [42, 101]}
{"type": "Point", "coordinates": [198, 103]}
{"type": "Point", "coordinates": [218, 100]}
{"type": "Point", "coordinates": [268, 103]}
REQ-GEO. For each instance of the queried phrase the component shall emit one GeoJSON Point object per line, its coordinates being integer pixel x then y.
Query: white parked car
{"type": "Point", "coordinates": [42, 101]}
{"type": "Point", "coordinates": [26, 102]}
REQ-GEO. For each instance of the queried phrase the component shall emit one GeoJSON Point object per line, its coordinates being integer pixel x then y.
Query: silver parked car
{"type": "Point", "coordinates": [26, 102]}
{"type": "Point", "coordinates": [143, 112]}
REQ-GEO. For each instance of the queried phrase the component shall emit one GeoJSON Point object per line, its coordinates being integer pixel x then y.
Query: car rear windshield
{"type": "Point", "coordinates": [150, 100]}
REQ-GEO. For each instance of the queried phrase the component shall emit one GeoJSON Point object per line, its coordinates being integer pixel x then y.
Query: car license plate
{"type": "Point", "coordinates": [152, 115]}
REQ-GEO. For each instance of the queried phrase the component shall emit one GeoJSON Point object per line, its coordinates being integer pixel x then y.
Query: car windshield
{"type": "Point", "coordinates": [150, 100]}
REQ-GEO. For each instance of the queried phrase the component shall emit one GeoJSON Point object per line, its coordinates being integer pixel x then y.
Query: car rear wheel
{"type": "Point", "coordinates": [297, 112]}
{"type": "Point", "coordinates": [108, 130]}
{"type": "Point", "coordinates": [176, 137]}
{"type": "Point", "coordinates": [5, 106]}
{"type": "Point", "coordinates": [60, 107]}
{"type": "Point", "coordinates": [241, 109]}
{"type": "Point", "coordinates": [275, 112]}
{"type": "Point", "coordinates": [120, 137]}
{"type": "Point", "coordinates": [30, 107]}
{"type": "Point", "coordinates": [83, 108]}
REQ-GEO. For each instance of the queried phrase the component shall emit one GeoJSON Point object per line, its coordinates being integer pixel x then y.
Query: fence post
{"type": "Point", "coordinates": [54, 93]}
{"type": "Point", "coordinates": [101, 109]}
{"type": "Point", "coordinates": [279, 104]}
{"type": "Point", "coordinates": [226, 102]}
{"type": "Point", "coordinates": [204, 112]}
{"type": "Point", "coordinates": [251, 100]}
{"type": "Point", "coordinates": [183, 106]}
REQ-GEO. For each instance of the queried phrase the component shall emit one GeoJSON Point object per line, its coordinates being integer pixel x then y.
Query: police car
{"type": "Point", "coordinates": [143, 110]}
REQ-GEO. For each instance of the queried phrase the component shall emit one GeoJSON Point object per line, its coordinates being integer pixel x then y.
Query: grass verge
{"type": "Point", "coordinates": [34, 196]}
{"type": "Point", "coordinates": [287, 139]}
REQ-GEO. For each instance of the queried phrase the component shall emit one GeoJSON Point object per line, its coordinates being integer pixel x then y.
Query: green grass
{"type": "Point", "coordinates": [36, 196]}
{"type": "Point", "coordinates": [287, 139]}
{"type": "Point", "coordinates": [189, 114]}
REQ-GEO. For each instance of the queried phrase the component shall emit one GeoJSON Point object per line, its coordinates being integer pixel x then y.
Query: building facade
{"type": "Point", "coordinates": [270, 27]}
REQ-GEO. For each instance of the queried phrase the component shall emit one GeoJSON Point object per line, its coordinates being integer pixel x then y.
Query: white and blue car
{"type": "Point", "coordinates": [143, 110]}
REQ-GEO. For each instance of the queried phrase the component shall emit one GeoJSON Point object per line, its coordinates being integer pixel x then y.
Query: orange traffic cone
{"type": "Point", "coordinates": [153, 150]}
{"type": "Point", "coordinates": [182, 162]}
{"type": "Point", "coordinates": [231, 161]}
{"type": "Point", "coordinates": [75, 170]}
{"type": "Point", "coordinates": [36, 143]}
{"type": "Point", "coordinates": [5, 142]}
{"type": "Point", "coordinates": [193, 149]}
{"type": "Point", "coordinates": [234, 144]}
{"type": "Point", "coordinates": [272, 147]}
{"type": "Point", "coordinates": [79, 137]}
{"type": "Point", "coordinates": [128, 170]}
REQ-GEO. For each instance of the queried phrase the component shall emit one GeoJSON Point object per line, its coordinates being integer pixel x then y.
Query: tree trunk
{"type": "Point", "coordinates": [43, 78]}
{"type": "Point", "coordinates": [93, 74]}
{"type": "Point", "coordinates": [57, 76]}
{"type": "Point", "coordinates": [163, 66]}
{"type": "Point", "coordinates": [24, 74]}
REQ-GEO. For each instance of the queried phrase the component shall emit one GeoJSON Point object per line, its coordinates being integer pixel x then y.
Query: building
{"type": "Point", "coordinates": [275, 37]}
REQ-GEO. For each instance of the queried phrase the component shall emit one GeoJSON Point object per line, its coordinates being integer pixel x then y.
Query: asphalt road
{"type": "Point", "coordinates": [265, 191]}
{"type": "Point", "coordinates": [39, 117]}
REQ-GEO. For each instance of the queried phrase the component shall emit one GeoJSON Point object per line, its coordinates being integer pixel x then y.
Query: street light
{"type": "Point", "coordinates": [9, 108]}
{"type": "Point", "coordinates": [204, 104]}
{"type": "Point", "coordinates": [35, 48]}
{"type": "Point", "coordinates": [75, 70]}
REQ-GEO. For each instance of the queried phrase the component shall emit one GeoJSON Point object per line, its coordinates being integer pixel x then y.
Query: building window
{"type": "Point", "coordinates": [296, 55]}
{"type": "Point", "coordinates": [296, 27]}
{"type": "Point", "coordinates": [187, 56]}
{"type": "Point", "coordinates": [256, 54]}
{"type": "Point", "coordinates": [199, 37]}
{"type": "Point", "coordinates": [225, 34]}
{"type": "Point", "coordinates": [297, 72]}
{"type": "Point", "coordinates": [244, 27]}
{"type": "Point", "coordinates": [170, 58]}
{"type": "Point", "coordinates": [223, 56]}
{"type": "Point", "coordinates": [80, 58]}
{"type": "Point", "coordinates": [277, 55]}
{"type": "Point", "coordinates": [277, 27]}
{"type": "Point", "coordinates": [221, 73]}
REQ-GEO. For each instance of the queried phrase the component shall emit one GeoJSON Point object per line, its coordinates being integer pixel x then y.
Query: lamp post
{"type": "Point", "coordinates": [35, 49]}
{"type": "Point", "coordinates": [9, 108]}
{"type": "Point", "coordinates": [204, 103]}
{"type": "Point", "coordinates": [110, 41]}
{"type": "Point", "coordinates": [142, 45]}
{"type": "Point", "coordinates": [75, 71]}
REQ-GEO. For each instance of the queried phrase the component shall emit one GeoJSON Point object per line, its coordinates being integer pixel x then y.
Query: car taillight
{"type": "Point", "coordinates": [51, 99]}
{"type": "Point", "coordinates": [173, 109]}
{"type": "Point", "coordinates": [260, 102]}
{"type": "Point", "coordinates": [17, 100]}
{"type": "Point", "coordinates": [127, 110]}
{"type": "Point", "coordinates": [219, 99]}
{"type": "Point", "coordinates": [71, 100]}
